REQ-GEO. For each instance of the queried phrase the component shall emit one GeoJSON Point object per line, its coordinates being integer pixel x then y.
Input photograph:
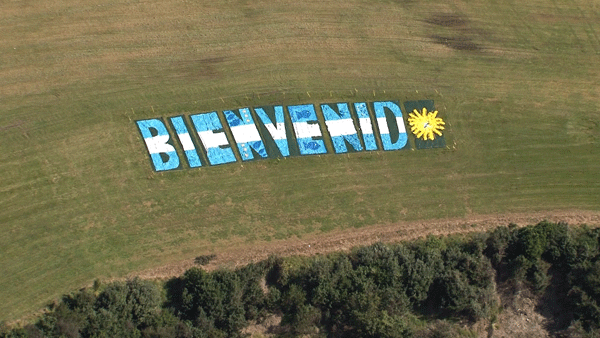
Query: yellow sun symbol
{"type": "Point", "coordinates": [425, 125]}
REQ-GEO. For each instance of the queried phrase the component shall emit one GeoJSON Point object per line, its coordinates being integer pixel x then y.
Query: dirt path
{"type": "Point", "coordinates": [245, 253]}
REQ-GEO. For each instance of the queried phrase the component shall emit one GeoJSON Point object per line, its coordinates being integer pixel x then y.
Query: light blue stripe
{"type": "Point", "coordinates": [220, 155]}
{"type": "Point", "coordinates": [386, 139]}
{"type": "Point", "coordinates": [160, 165]}
{"type": "Point", "coordinates": [309, 146]}
{"type": "Point", "coordinates": [363, 113]}
{"type": "Point", "coordinates": [211, 122]}
{"type": "Point", "coordinates": [191, 155]}
{"type": "Point", "coordinates": [161, 130]}
{"type": "Point", "coordinates": [245, 148]}
{"type": "Point", "coordinates": [156, 124]}
{"type": "Point", "coordinates": [193, 159]}
{"type": "Point", "coordinates": [282, 144]}
{"type": "Point", "coordinates": [306, 113]}
{"type": "Point", "coordinates": [338, 140]}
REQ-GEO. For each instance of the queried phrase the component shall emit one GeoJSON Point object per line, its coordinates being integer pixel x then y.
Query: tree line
{"type": "Point", "coordinates": [413, 289]}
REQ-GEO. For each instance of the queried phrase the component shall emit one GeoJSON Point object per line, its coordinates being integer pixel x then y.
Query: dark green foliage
{"type": "Point", "coordinates": [553, 253]}
{"type": "Point", "coordinates": [383, 265]}
{"type": "Point", "coordinates": [213, 301]}
{"type": "Point", "coordinates": [525, 254]}
{"type": "Point", "coordinates": [529, 242]}
{"type": "Point", "coordinates": [537, 275]}
{"type": "Point", "coordinates": [464, 286]}
{"type": "Point", "coordinates": [585, 293]}
{"type": "Point", "coordinates": [254, 299]}
{"type": "Point", "coordinates": [559, 245]}
{"type": "Point", "coordinates": [369, 292]}
{"type": "Point", "coordinates": [5, 332]}
{"type": "Point", "coordinates": [496, 244]}
{"type": "Point", "coordinates": [71, 316]}
{"type": "Point", "coordinates": [587, 308]}
{"type": "Point", "coordinates": [374, 291]}
{"type": "Point", "coordinates": [548, 239]}
{"type": "Point", "coordinates": [304, 319]}
{"type": "Point", "coordinates": [587, 246]}
{"type": "Point", "coordinates": [381, 324]}
{"type": "Point", "coordinates": [122, 309]}
{"type": "Point", "coordinates": [136, 301]}
{"type": "Point", "coordinates": [204, 259]}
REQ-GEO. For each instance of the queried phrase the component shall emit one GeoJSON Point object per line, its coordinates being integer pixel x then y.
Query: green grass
{"type": "Point", "coordinates": [78, 198]}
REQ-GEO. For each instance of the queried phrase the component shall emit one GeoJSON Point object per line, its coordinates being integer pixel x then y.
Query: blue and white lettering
{"type": "Point", "coordinates": [275, 128]}
{"type": "Point", "coordinates": [186, 141]}
{"type": "Point", "coordinates": [215, 141]}
{"type": "Point", "coordinates": [386, 124]}
{"type": "Point", "coordinates": [307, 129]}
{"type": "Point", "coordinates": [341, 128]}
{"type": "Point", "coordinates": [267, 132]}
{"type": "Point", "coordinates": [245, 134]}
{"type": "Point", "coordinates": [163, 154]}
{"type": "Point", "coordinates": [365, 125]}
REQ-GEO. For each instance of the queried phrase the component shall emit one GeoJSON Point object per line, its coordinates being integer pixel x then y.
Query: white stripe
{"type": "Point", "coordinates": [306, 130]}
{"type": "Point", "coordinates": [383, 126]}
{"type": "Point", "coordinates": [186, 142]}
{"type": "Point", "coordinates": [158, 144]}
{"type": "Point", "coordinates": [245, 133]}
{"type": "Point", "coordinates": [401, 127]}
{"type": "Point", "coordinates": [340, 127]}
{"type": "Point", "coordinates": [211, 139]}
{"type": "Point", "coordinates": [278, 133]}
{"type": "Point", "coordinates": [365, 125]}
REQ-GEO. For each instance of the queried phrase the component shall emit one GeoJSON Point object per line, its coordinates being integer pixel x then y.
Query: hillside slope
{"type": "Point", "coordinates": [517, 83]}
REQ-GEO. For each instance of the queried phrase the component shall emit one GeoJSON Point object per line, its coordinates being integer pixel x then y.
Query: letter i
{"type": "Point", "coordinates": [186, 141]}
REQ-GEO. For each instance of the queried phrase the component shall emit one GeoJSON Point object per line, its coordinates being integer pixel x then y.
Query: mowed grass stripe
{"type": "Point", "coordinates": [517, 83]}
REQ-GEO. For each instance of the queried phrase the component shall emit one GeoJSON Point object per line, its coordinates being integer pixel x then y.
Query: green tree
{"type": "Point", "coordinates": [212, 300]}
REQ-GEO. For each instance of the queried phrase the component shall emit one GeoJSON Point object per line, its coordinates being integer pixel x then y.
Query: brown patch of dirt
{"type": "Point", "coordinates": [268, 327]}
{"type": "Point", "coordinates": [344, 240]}
{"type": "Point", "coordinates": [519, 318]}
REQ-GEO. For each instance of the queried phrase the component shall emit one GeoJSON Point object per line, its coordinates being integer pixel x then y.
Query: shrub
{"type": "Point", "coordinates": [212, 300]}
{"type": "Point", "coordinates": [204, 259]}
{"type": "Point", "coordinates": [497, 244]}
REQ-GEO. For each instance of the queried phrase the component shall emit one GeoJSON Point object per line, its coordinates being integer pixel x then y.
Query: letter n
{"type": "Point", "coordinates": [341, 128]}
{"type": "Point", "coordinates": [245, 133]}
{"type": "Point", "coordinates": [308, 131]}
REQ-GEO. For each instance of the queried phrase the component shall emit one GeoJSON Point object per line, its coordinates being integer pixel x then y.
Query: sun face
{"type": "Point", "coordinates": [426, 124]}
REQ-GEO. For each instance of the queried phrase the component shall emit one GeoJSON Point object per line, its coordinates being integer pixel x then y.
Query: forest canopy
{"type": "Point", "coordinates": [411, 289]}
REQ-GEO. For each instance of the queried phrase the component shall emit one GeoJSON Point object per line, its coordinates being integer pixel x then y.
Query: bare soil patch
{"type": "Point", "coordinates": [344, 240]}
{"type": "Point", "coordinates": [520, 319]}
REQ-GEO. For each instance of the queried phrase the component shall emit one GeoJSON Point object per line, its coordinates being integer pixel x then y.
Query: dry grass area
{"type": "Point", "coordinates": [241, 254]}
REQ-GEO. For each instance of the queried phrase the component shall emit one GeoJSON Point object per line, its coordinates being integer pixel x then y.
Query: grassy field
{"type": "Point", "coordinates": [517, 82]}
